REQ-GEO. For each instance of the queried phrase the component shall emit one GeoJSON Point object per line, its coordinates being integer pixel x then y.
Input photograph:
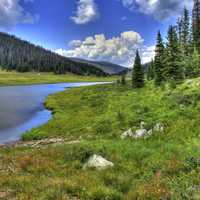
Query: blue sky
{"type": "Point", "coordinates": [109, 30]}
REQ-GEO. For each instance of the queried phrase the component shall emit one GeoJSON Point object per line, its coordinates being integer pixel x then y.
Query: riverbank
{"type": "Point", "coordinates": [30, 78]}
{"type": "Point", "coordinates": [164, 165]}
{"type": "Point", "coordinates": [28, 111]}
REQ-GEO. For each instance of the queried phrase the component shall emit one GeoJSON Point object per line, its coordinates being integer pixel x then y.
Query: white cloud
{"type": "Point", "coordinates": [13, 13]}
{"type": "Point", "coordinates": [87, 11]}
{"type": "Point", "coordinates": [120, 50]}
{"type": "Point", "coordinates": [160, 9]}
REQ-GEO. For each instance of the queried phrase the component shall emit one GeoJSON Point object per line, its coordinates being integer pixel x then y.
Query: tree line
{"type": "Point", "coordinates": [22, 56]}
{"type": "Point", "coordinates": [179, 57]}
{"type": "Point", "coordinates": [175, 59]}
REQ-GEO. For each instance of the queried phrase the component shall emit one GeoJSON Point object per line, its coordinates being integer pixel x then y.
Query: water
{"type": "Point", "coordinates": [22, 108]}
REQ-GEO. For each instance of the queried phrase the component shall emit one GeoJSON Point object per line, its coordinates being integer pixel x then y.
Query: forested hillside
{"type": "Point", "coordinates": [16, 54]}
{"type": "Point", "coordinates": [107, 67]}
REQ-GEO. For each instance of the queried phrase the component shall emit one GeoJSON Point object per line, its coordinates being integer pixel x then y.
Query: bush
{"type": "Point", "coordinates": [103, 126]}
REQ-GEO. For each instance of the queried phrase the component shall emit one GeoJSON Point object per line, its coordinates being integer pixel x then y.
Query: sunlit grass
{"type": "Point", "coordinates": [163, 166]}
{"type": "Point", "coordinates": [15, 78]}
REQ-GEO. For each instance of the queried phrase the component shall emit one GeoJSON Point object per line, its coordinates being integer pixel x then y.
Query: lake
{"type": "Point", "coordinates": [22, 108]}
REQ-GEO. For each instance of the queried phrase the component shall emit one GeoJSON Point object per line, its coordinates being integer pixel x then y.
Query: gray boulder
{"type": "Point", "coordinates": [140, 133]}
{"type": "Point", "coordinates": [98, 162]}
{"type": "Point", "coordinates": [127, 134]}
{"type": "Point", "coordinates": [158, 127]}
{"type": "Point", "coordinates": [142, 125]}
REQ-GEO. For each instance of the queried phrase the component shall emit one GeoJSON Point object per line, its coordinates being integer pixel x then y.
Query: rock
{"type": "Point", "coordinates": [98, 162]}
{"type": "Point", "coordinates": [150, 132]}
{"type": "Point", "coordinates": [158, 127]}
{"type": "Point", "coordinates": [142, 125]}
{"type": "Point", "coordinates": [189, 82]}
{"type": "Point", "coordinates": [140, 133]}
{"type": "Point", "coordinates": [127, 134]}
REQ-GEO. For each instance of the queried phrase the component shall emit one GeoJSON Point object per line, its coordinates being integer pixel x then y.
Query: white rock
{"type": "Point", "coordinates": [142, 125]}
{"type": "Point", "coordinates": [189, 82]}
{"type": "Point", "coordinates": [150, 132]}
{"type": "Point", "coordinates": [127, 134]}
{"type": "Point", "coordinates": [158, 127]}
{"type": "Point", "coordinates": [98, 162]}
{"type": "Point", "coordinates": [140, 133]}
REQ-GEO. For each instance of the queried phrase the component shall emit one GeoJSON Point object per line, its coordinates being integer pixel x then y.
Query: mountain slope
{"type": "Point", "coordinates": [107, 67]}
{"type": "Point", "coordinates": [20, 55]}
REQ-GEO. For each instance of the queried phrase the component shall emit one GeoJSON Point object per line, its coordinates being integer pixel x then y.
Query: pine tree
{"type": "Point", "coordinates": [159, 60]}
{"type": "Point", "coordinates": [138, 72]}
{"type": "Point", "coordinates": [150, 71]}
{"type": "Point", "coordinates": [123, 79]}
{"type": "Point", "coordinates": [185, 33]}
{"type": "Point", "coordinates": [173, 69]}
{"type": "Point", "coordinates": [193, 64]}
{"type": "Point", "coordinates": [196, 25]}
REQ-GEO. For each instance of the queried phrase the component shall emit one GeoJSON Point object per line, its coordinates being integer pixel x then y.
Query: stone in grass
{"type": "Point", "coordinates": [127, 134]}
{"type": "Point", "coordinates": [142, 125]}
{"type": "Point", "coordinates": [97, 162]}
{"type": "Point", "coordinates": [158, 127]}
{"type": "Point", "coordinates": [140, 133]}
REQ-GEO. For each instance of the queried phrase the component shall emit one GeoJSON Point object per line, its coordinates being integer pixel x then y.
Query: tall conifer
{"type": "Point", "coordinates": [173, 69]}
{"type": "Point", "coordinates": [159, 60]}
{"type": "Point", "coordinates": [138, 72]}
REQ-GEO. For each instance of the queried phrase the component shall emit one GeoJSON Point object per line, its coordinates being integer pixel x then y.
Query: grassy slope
{"type": "Point", "coordinates": [14, 78]}
{"type": "Point", "coordinates": [163, 166]}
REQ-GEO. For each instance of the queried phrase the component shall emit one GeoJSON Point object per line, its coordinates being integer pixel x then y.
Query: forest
{"type": "Point", "coordinates": [22, 56]}
{"type": "Point", "coordinates": [177, 57]}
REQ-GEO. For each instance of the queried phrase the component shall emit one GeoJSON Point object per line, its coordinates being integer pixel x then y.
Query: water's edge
{"type": "Point", "coordinates": [44, 115]}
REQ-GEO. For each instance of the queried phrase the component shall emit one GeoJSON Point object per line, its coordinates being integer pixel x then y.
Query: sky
{"type": "Point", "coordinates": [103, 30]}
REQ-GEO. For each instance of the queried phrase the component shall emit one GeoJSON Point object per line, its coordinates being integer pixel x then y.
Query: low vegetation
{"type": "Point", "coordinates": [163, 166]}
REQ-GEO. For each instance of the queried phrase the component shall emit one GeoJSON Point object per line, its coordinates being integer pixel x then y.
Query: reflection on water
{"type": "Point", "coordinates": [21, 108]}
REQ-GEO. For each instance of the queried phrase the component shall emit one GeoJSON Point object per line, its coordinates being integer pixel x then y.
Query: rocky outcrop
{"type": "Point", "coordinates": [127, 134]}
{"type": "Point", "coordinates": [158, 127]}
{"type": "Point", "coordinates": [98, 162]}
{"type": "Point", "coordinates": [140, 133]}
{"type": "Point", "coordinates": [143, 132]}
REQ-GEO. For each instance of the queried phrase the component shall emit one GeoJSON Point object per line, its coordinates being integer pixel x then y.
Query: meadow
{"type": "Point", "coordinates": [162, 166]}
{"type": "Point", "coordinates": [28, 78]}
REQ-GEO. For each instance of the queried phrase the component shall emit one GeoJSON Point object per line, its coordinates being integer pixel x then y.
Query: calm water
{"type": "Point", "coordinates": [21, 108]}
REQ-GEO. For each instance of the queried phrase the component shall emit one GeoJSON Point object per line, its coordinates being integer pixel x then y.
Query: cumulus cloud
{"type": "Point", "coordinates": [160, 9]}
{"type": "Point", "coordinates": [120, 50]}
{"type": "Point", "coordinates": [87, 11]}
{"type": "Point", "coordinates": [13, 13]}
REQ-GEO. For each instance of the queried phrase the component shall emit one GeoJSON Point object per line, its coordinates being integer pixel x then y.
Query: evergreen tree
{"type": "Point", "coordinates": [159, 60]}
{"type": "Point", "coordinates": [123, 79]}
{"type": "Point", "coordinates": [173, 69]}
{"type": "Point", "coordinates": [185, 32]}
{"type": "Point", "coordinates": [193, 64]}
{"type": "Point", "coordinates": [196, 26]}
{"type": "Point", "coordinates": [150, 71]}
{"type": "Point", "coordinates": [179, 29]}
{"type": "Point", "coordinates": [138, 72]}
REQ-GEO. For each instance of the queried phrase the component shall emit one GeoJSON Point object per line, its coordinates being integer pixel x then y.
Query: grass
{"type": "Point", "coordinates": [163, 166]}
{"type": "Point", "coordinates": [15, 78]}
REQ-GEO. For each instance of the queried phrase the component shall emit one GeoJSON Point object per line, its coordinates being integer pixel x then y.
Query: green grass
{"type": "Point", "coordinates": [163, 166]}
{"type": "Point", "coordinates": [15, 78]}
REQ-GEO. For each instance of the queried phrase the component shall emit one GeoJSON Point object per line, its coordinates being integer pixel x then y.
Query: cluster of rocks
{"type": "Point", "coordinates": [142, 132]}
{"type": "Point", "coordinates": [40, 143]}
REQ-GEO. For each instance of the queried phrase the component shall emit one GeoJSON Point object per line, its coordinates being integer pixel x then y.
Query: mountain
{"type": "Point", "coordinates": [107, 67]}
{"type": "Point", "coordinates": [20, 55]}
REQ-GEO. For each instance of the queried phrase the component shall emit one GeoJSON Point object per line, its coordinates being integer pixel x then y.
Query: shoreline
{"type": "Point", "coordinates": [50, 109]}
